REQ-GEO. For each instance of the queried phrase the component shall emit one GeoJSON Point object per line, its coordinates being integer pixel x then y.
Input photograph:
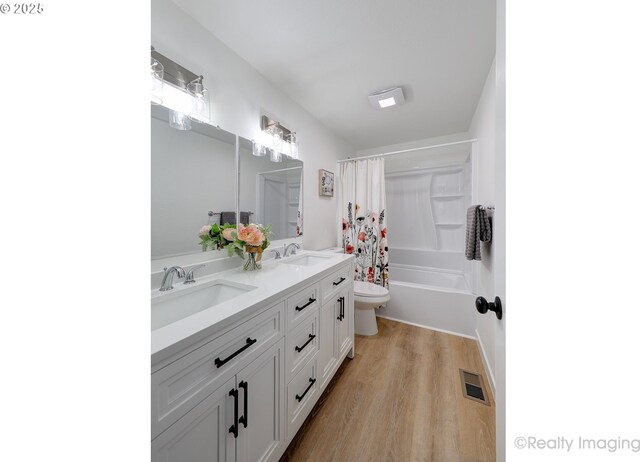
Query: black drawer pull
{"type": "Point", "coordinates": [311, 382]}
{"type": "Point", "coordinates": [244, 420]}
{"type": "Point", "coordinates": [339, 282]}
{"type": "Point", "coordinates": [234, 428]}
{"type": "Point", "coordinates": [299, 349]}
{"type": "Point", "coordinates": [220, 362]}
{"type": "Point", "coordinates": [300, 308]}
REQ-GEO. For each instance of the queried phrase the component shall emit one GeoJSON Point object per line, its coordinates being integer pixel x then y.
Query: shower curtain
{"type": "Point", "coordinates": [362, 203]}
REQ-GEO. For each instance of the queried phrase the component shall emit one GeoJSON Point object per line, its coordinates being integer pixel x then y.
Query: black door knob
{"type": "Point", "coordinates": [483, 306]}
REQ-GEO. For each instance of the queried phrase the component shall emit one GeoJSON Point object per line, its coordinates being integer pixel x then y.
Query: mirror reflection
{"type": "Point", "coordinates": [193, 183]}
{"type": "Point", "coordinates": [270, 192]}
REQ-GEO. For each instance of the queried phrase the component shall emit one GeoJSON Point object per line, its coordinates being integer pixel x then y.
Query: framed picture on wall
{"type": "Point", "coordinates": [326, 183]}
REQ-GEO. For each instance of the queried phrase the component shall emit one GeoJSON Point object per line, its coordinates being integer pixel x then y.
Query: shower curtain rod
{"type": "Point", "coordinates": [384, 154]}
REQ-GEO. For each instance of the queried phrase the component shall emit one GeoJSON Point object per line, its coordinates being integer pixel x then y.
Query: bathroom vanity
{"type": "Point", "coordinates": [239, 359]}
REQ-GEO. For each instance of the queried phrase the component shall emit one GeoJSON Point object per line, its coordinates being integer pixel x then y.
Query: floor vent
{"type": "Point", "coordinates": [473, 387]}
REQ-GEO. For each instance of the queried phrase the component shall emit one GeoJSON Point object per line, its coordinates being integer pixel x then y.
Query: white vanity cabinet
{"type": "Point", "coordinates": [241, 394]}
{"type": "Point", "coordinates": [243, 419]}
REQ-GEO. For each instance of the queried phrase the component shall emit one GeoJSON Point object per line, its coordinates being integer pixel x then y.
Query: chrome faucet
{"type": "Point", "coordinates": [167, 280]}
{"type": "Point", "coordinates": [189, 279]}
{"type": "Point", "coordinates": [293, 245]}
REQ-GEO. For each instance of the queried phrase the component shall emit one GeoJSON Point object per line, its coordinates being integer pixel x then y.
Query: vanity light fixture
{"type": "Point", "coordinates": [180, 90]}
{"type": "Point", "coordinates": [275, 140]}
{"type": "Point", "coordinates": [386, 98]}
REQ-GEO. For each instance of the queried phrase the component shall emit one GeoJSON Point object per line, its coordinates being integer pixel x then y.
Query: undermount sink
{"type": "Point", "coordinates": [305, 260]}
{"type": "Point", "coordinates": [167, 308]}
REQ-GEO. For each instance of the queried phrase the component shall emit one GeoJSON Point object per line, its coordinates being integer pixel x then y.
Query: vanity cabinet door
{"type": "Point", "coordinates": [328, 353]}
{"type": "Point", "coordinates": [344, 322]}
{"type": "Point", "coordinates": [202, 434]}
{"type": "Point", "coordinates": [261, 399]}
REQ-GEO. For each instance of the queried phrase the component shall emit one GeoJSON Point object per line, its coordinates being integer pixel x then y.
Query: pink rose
{"type": "Point", "coordinates": [204, 231]}
{"type": "Point", "coordinates": [251, 235]}
{"type": "Point", "coordinates": [362, 236]}
{"type": "Point", "coordinates": [227, 234]}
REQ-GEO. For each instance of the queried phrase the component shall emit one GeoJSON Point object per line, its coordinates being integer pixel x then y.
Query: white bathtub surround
{"type": "Point", "coordinates": [362, 204]}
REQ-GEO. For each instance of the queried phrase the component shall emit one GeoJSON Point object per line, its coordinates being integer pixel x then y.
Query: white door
{"type": "Point", "coordinates": [261, 406]}
{"type": "Point", "coordinates": [499, 234]}
{"type": "Point", "coordinates": [327, 354]}
{"type": "Point", "coordinates": [201, 435]}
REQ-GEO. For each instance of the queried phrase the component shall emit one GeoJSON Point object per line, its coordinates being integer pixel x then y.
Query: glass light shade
{"type": "Point", "coordinates": [275, 155]}
{"type": "Point", "coordinates": [259, 150]}
{"type": "Point", "coordinates": [157, 81]}
{"type": "Point", "coordinates": [276, 134]}
{"type": "Point", "coordinates": [179, 121]}
{"type": "Point", "coordinates": [294, 146]}
{"type": "Point", "coordinates": [294, 151]}
{"type": "Point", "coordinates": [200, 104]}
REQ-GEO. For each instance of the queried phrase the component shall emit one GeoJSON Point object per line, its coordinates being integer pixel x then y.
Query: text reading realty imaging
{"type": "Point", "coordinates": [561, 443]}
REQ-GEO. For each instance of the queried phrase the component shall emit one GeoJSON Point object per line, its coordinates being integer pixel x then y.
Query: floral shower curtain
{"type": "Point", "coordinates": [362, 202]}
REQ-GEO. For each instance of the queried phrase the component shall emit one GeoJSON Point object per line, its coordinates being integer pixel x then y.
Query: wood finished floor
{"type": "Point", "coordinates": [400, 399]}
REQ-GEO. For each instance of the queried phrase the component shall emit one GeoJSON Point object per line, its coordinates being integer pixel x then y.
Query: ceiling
{"type": "Point", "coordinates": [328, 55]}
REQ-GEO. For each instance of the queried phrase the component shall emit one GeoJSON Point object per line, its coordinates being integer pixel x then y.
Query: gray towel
{"type": "Point", "coordinates": [478, 229]}
{"type": "Point", "coordinates": [228, 218]}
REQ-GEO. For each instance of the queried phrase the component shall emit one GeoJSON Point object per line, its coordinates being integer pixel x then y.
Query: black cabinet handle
{"type": "Point", "coordinates": [244, 420]}
{"type": "Point", "coordinates": [300, 308]}
{"type": "Point", "coordinates": [311, 382]}
{"type": "Point", "coordinates": [339, 282]}
{"type": "Point", "coordinates": [234, 428]}
{"type": "Point", "coordinates": [220, 362]}
{"type": "Point", "coordinates": [341, 315]}
{"type": "Point", "coordinates": [299, 349]}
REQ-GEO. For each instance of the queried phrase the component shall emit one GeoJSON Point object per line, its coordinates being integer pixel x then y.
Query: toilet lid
{"type": "Point", "coordinates": [367, 289]}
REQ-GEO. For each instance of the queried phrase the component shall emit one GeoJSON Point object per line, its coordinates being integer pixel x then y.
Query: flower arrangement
{"type": "Point", "coordinates": [251, 239]}
{"type": "Point", "coordinates": [216, 237]}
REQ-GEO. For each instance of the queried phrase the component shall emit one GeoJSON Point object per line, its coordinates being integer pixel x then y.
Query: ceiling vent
{"type": "Point", "coordinates": [386, 98]}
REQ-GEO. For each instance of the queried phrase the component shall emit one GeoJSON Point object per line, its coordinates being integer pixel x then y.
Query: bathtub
{"type": "Point", "coordinates": [436, 298]}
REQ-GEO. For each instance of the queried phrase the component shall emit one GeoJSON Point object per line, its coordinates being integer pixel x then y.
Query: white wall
{"type": "Point", "coordinates": [483, 127]}
{"type": "Point", "coordinates": [240, 95]}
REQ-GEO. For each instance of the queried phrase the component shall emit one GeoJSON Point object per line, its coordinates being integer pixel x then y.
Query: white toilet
{"type": "Point", "coordinates": [367, 297]}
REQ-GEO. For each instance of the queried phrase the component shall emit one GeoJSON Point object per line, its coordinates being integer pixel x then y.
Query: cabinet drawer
{"type": "Point", "coordinates": [178, 387]}
{"type": "Point", "coordinates": [302, 344]}
{"type": "Point", "coordinates": [301, 304]}
{"type": "Point", "coordinates": [335, 282]}
{"type": "Point", "coordinates": [302, 394]}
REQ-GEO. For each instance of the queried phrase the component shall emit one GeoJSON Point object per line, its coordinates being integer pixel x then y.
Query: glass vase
{"type": "Point", "coordinates": [252, 262]}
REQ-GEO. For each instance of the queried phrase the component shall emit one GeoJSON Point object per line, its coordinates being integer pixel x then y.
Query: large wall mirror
{"type": "Point", "coordinates": [271, 192]}
{"type": "Point", "coordinates": [193, 181]}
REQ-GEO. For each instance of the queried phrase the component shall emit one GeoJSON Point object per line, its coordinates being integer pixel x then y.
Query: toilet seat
{"type": "Point", "coordinates": [371, 295]}
{"type": "Point", "coordinates": [367, 289]}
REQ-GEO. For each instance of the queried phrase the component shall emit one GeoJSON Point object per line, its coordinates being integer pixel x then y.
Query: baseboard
{"type": "Point", "coordinates": [428, 327]}
{"type": "Point", "coordinates": [485, 361]}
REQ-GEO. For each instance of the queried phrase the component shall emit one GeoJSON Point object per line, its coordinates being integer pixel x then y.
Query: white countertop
{"type": "Point", "coordinates": [271, 281]}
